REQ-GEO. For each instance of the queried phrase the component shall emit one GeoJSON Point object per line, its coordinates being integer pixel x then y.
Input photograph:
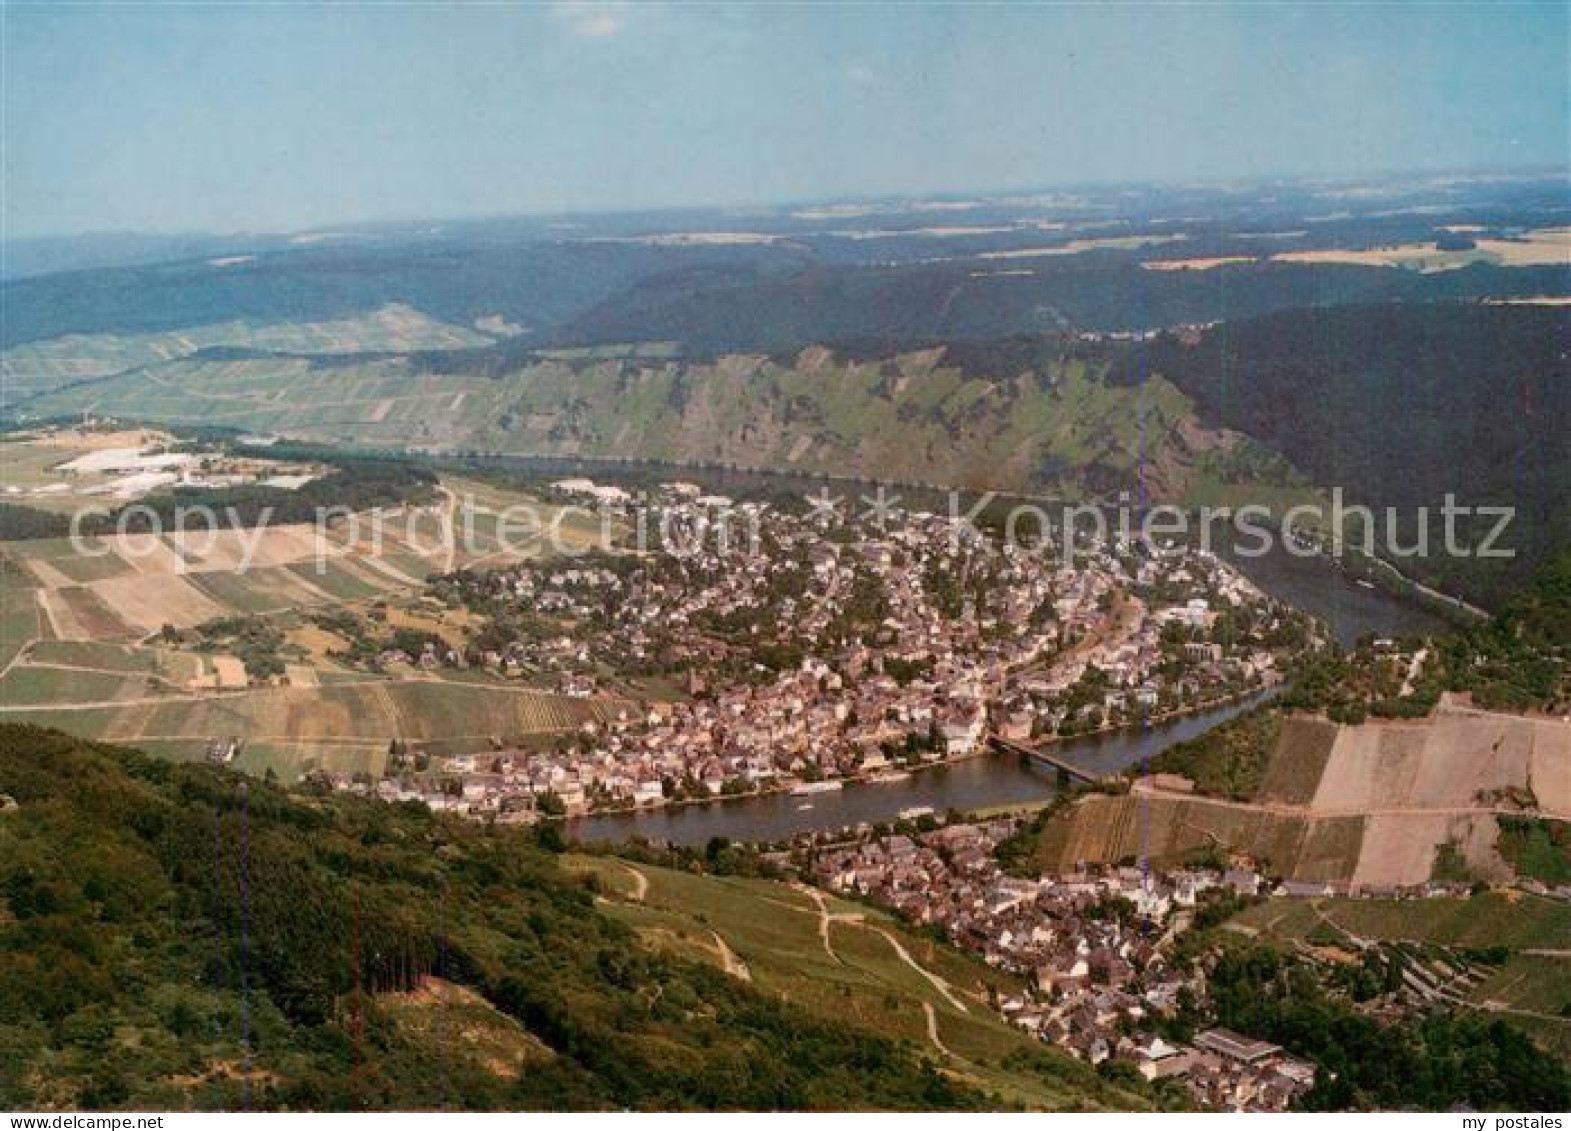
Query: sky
{"type": "Point", "coordinates": [236, 117]}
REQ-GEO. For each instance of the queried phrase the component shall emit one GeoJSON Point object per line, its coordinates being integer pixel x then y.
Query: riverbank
{"type": "Point", "coordinates": [967, 784]}
{"type": "Point", "coordinates": [1376, 572]}
{"type": "Point", "coordinates": [1269, 689]}
{"type": "Point", "coordinates": [792, 787]}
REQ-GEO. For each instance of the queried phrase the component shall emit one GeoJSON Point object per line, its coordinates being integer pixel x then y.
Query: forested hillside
{"type": "Point", "coordinates": [1399, 405]}
{"type": "Point", "coordinates": [1035, 415]}
{"type": "Point", "coordinates": [745, 308]}
{"type": "Point", "coordinates": [175, 936]}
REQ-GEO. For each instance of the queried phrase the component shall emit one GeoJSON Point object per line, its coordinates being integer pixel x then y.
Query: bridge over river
{"type": "Point", "coordinates": [1002, 776]}
{"type": "Point", "coordinates": [1044, 754]}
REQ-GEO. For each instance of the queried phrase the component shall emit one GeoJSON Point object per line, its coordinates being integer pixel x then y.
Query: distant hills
{"type": "Point", "coordinates": [715, 298]}
{"type": "Point", "coordinates": [1103, 291]}
{"type": "Point", "coordinates": [896, 271]}
{"type": "Point", "coordinates": [1187, 344]}
{"type": "Point", "coordinates": [1400, 405]}
{"type": "Point", "coordinates": [1397, 404]}
{"type": "Point", "coordinates": [1037, 417]}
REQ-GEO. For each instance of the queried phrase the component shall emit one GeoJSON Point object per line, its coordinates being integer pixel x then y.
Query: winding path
{"type": "Point", "coordinates": [728, 958]}
{"type": "Point", "coordinates": [938, 983]}
{"type": "Point", "coordinates": [640, 883]}
{"type": "Point", "coordinates": [823, 920]}
{"type": "Point", "coordinates": [932, 1029]}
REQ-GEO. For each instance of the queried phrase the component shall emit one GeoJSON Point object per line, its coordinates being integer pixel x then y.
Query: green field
{"type": "Point", "coordinates": [20, 618]}
{"type": "Point", "coordinates": [36, 686]}
{"type": "Point", "coordinates": [1536, 983]}
{"type": "Point", "coordinates": [335, 580]}
{"type": "Point", "coordinates": [1537, 849]}
{"type": "Point", "coordinates": [83, 568]}
{"type": "Point", "coordinates": [1487, 919]}
{"type": "Point", "coordinates": [94, 654]}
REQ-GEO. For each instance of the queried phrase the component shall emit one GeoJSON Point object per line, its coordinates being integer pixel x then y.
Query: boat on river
{"type": "Point", "coordinates": [811, 787]}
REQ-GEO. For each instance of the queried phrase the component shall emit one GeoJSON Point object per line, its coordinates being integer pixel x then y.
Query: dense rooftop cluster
{"type": "Point", "coordinates": [1093, 946]}
{"type": "Point", "coordinates": [815, 648]}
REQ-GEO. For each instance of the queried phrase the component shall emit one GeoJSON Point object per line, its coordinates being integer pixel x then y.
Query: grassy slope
{"type": "Point", "coordinates": [176, 937]}
{"type": "Point", "coordinates": [1484, 920]}
{"type": "Point", "coordinates": [42, 366]}
{"type": "Point", "coordinates": [855, 976]}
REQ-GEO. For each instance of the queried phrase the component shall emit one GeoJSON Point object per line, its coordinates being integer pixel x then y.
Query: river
{"type": "Point", "coordinates": [982, 782]}
{"type": "Point", "coordinates": [1311, 583]}
{"type": "Point", "coordinates": [1315, 585]}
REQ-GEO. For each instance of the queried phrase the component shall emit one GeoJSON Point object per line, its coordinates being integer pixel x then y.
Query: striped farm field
{"type": "Point", "coordinates": [338, 580]}
{"type": "Point", "coordinates": [1171, 829]}
{"type": "Point", "coordinates": [147, 603]}
{"type": "Point", "coordinates": [26, 685]}
{"type": "Point", "coordinates": [309, 722]}
{"type": "Point", "coordinates": [95, 655]}
{"type": "Point", "coordinates": [247, 594]}
{"type": "Point", "coordinates": [133, 586]}
{"type": "Point", "coordinates": [437, 709]}
{"type": "Point", "coordinates": [260, 590]}
{"type": "Point", "coordinates": [78, 568]}
{"type": "Point", "coordinates": [103, 643]}
{"type": "Point", "coordinates": [84, 613]}
{"type": "Point", "coordinates": [1299, 760]}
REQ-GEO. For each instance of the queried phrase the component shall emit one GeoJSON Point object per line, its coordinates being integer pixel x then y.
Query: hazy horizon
{"type": "Point", "coordinates": [257, 120]}
{"type": "Point", "coordinates": [741, 210]}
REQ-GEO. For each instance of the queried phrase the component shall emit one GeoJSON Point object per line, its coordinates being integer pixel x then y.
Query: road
{"type": "Point", "coordinates": [1143, 787]}
{"type": "Point", "coordinates": [825, 918]}
{"type": "Point", "coordinates": [932, 1029]}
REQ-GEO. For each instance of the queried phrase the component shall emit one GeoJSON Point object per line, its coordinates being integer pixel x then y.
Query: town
{"type": "Point", "coordinates": [821, 649]}
{"type": "Point", "coordinates": [1094, 948]}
